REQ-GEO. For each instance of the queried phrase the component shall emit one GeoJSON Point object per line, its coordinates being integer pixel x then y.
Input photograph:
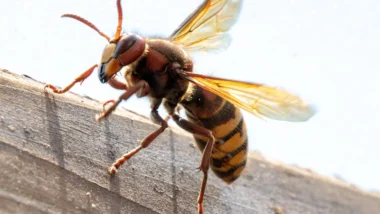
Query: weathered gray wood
{"type": "Point", "coordinates": [54, 157]}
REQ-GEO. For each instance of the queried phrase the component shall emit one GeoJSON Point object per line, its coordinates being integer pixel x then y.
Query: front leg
{"type": "Point", "coordinates": [140, 87]}
{"type": "Point", "coordinates": [157, 119]}
{"type": "Point", "coordinates": [78, 79]}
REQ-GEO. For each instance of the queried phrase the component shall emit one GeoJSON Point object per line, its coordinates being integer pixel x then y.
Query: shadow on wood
{"type": "Point", "coordinates": [54, 158]}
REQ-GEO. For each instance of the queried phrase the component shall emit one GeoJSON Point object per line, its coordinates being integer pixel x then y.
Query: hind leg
{"type": "Point", "coordinates": [205, 162]}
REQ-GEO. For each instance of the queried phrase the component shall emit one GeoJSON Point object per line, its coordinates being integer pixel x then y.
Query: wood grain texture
{"type": "Point", "coordinates": [54, 158]}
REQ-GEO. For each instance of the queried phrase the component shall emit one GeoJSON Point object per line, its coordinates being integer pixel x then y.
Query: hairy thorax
{"type": "Point", "coordinates": [159, 66]}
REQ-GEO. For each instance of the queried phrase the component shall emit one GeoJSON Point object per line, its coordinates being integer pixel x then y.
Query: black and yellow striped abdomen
{"type": "Point", "coordinates": [227, 125]}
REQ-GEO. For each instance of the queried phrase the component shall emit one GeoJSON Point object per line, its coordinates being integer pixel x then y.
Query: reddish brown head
{"type": "Point", "coordinates": [122, 50]}
{"type": "Point", "coordinates": [120, 53]}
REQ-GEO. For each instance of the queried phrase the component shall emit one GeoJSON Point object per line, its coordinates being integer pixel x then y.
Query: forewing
{"type": "Point", "coordinates": [206, 29]}
{"type": "Point", "coordinates": [257, 99]}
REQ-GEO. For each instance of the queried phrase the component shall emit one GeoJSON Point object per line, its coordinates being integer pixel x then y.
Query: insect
{"type": "Point", "coordinates": [162, 69]}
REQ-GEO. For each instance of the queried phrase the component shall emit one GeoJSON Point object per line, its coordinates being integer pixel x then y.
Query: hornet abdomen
{"type": "Point", "coordinates": [228, 127]}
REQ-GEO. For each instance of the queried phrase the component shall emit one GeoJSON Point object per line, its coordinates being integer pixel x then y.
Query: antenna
{"type": "Point", "coordinates": [119, 21]}
{"type": "Point", "coordinates": [84, 21]}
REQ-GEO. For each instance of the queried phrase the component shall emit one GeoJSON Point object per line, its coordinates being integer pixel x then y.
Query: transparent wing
{"type": "Point", "coordinates": [257, 99]}
{"type": "Point", "coordinates": [206, 29]}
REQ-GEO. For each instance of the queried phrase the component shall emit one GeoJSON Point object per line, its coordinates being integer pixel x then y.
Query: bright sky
{"type": "Point", "coordinates": [326, 51]}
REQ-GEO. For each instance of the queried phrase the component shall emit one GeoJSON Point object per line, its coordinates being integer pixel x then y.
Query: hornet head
{"type": "Point", "coordinates": [121, 50]}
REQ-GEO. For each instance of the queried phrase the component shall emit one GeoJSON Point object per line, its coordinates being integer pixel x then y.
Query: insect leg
{"type": "Point", "coordinates": [140, 86]}
{"type": "Point", "coordinates": [117, 84]}
{"type": "Point", "coordinates": [79, 78]}
{"type": "Point", "coordinates": [205, 162]}
{"type": "Point", "coordinates": [157, 119]}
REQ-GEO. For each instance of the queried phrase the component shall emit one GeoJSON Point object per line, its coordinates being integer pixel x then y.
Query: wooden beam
{"type": "Point", "coordinates": [54, 158]}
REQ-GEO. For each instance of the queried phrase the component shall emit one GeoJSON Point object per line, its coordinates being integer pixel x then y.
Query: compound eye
{"type": "Point", "coordinates": [124, 44]}
{"type": "Point", "coordinates": [128, 49]}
